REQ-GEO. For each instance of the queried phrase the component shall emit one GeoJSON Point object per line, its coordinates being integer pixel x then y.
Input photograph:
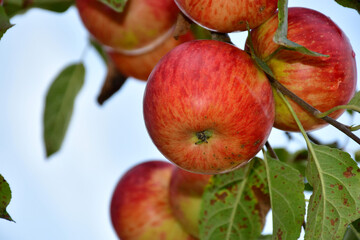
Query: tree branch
{"type": "Point", "coordinates": [281, 88]}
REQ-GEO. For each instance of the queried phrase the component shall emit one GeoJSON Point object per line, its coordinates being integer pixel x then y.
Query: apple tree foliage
{"type": "Point", "coordinates": [231, 206]}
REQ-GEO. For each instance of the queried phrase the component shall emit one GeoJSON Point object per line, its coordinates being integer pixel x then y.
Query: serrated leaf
{"type": "Point", "coordinates": [59, 105]}
{"type": "Point", "coordinates": [4, 22]}
{"type": "Point", "coordinates": [116, 5]}
{"type": "Point", "coordinates": [5, 197]}
{"type": "Point", "coordinates": [280, 36]}
{"type": "Point", "coordinates": [335, 201]}
{"type": "Point", "coordinates": [235, 204]}
{"type": "Point", "coordinates": [355, 4]}
{"type": "Point", "coordinates": [286, 187]}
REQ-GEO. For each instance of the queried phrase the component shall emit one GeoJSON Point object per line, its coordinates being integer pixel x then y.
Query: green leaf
{"type": "Point", "coordinates": [13, 7]}
{"type": "Point", "coordinates": [286, 187]}
{"type": "Point", "coordinates": [335, 201]}
{"type": "Point", "coordinates": [235, 204]}
{"type": "Point", "coordinates": [281, 32]}
{"type": "Point", "coordinates": [355, 4]}
{"type": "Point", "coordinates": [5, 197]}
{"type": "Point", "coordinates": [59, 105]}
{"type": "Point", "coordinates": [4, 22]}
{"type": "Point", "coordinates": [116, 5]}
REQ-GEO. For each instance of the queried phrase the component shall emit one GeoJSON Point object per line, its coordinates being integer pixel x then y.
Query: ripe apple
{"type": "Point", "coordinates": [228, 15]}
{"type": "Point", "coordinates": [140, 207]}
{"type": "Point", "coordinates": [140, 66]}
{"type": "Point", "coordinates": [186, 190]}
{"type": "Point", "coordinates": [323, 82]}
{"type": "Point", "coordinates": [207, 107]}
{"type": "Point", "coordinates": [142, 25]}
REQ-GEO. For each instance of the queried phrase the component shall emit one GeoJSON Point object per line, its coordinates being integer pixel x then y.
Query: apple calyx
{"type": "Point", "coordinates": [203, 136]}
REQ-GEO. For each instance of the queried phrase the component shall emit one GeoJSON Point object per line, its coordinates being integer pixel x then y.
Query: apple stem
{"type": "Point", "coordinates": [282, 89]}
{"type": "Point", "coordinates": [203, 136]}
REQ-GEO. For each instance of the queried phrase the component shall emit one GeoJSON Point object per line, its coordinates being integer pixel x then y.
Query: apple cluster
{"type": "Point", "coordinates": [157, 200]}
{"type": "Point", "coordinates": [208, 107]}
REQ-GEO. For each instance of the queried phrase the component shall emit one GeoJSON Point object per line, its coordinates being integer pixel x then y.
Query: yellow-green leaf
{"type": "Point", "coordinates": [235, 204]}
{"type": "Point", "coordinates": [335, 202]}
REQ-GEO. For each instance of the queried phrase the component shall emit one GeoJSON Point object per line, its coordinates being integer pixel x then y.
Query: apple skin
{"type": "Point", "coordinates": [140, 66]}
{"type": "Point", "coordinates": [141, 23]}
{"type": "Point", "coordinates": [323, 82]}
{"type": "Point", "coordinates": [203, 88]}
{"type": "Point", "coordinates": [140, 207]}
{"type": "Point", "coordinates": [228, 15]}
{"type": "Point", "coordinates": [186, 190]}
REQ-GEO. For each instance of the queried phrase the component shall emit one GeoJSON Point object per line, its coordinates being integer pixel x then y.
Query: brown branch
{"type": "Point", "coordinates": [271, 150]}
{"type": "Point", "coordinates": [345, 129]}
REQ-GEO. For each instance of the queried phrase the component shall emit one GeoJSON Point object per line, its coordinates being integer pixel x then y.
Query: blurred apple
{"type": "Point", "coordinates": [140, 207]}
{"type": "Point", "coordinates": [323, 82]}
{"type": "Point", "coordinates": [186, 190]}
{"type": "Point", "coordinates": [228, 15]}
{"type": "Point", "coordinates": [143, 25]}
{"type": "Point", "coordinates": [207, 107]}
{"type": "Point", "coordinates": [140, 66]}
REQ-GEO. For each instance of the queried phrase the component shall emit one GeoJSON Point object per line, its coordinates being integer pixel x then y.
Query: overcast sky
{"type": "Point", "coordinates": [68, 195]}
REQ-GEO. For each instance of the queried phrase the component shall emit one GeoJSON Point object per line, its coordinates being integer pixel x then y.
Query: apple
{"type": "Point", "coordinates": [140, 207]}
{"type": "Point", "coordinates": [323, 82]}
{"type": "Point", "coordinates": [207, 107]}
{"type": "Point", "coordinates": [228, 15]}
{"type": "Point", "coordinates": [186, 190]}
{"type": "Point", "coordinates": [143, 25]}
{"type": "Point", "coordinates": [140, 66]}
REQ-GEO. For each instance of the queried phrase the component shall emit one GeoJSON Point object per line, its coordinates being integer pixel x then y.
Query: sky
{"type": "Point", "coordinates": [67, 196]}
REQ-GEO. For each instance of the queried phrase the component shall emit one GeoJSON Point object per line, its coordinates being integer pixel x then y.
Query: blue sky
{"type": "Point", "coordinates": [68, 195]}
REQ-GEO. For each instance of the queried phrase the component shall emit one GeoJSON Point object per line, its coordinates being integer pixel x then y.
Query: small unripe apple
{"type": "Point", "coordinates": [323, 82]}
{"type": "Point", "coordinates": [207, 107]}
{"type": "Point", "coordinates": [141, 26]}
{"type": "Point", "coordinates": [228, 15]}
{"type": "Point", "coordinates": [140, 208]}
{"type": "Point", "coordinates": [140, 66]}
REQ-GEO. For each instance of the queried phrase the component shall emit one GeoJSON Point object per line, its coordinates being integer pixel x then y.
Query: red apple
{"type": "Point", "coordinates": [142, 25]}
{"type": "Point", "coordinates": [207, 107]}
{"type": "Point", "coordinates": [140, 66]}
{"type": "Point", "coordinates": [228, 15]}
{"type": "Point", "coordinates": [323, 82]}
{"type": "Point", "coordinates": [186, 190]}
{"type": "Point", "coordinates": [140, 207]}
